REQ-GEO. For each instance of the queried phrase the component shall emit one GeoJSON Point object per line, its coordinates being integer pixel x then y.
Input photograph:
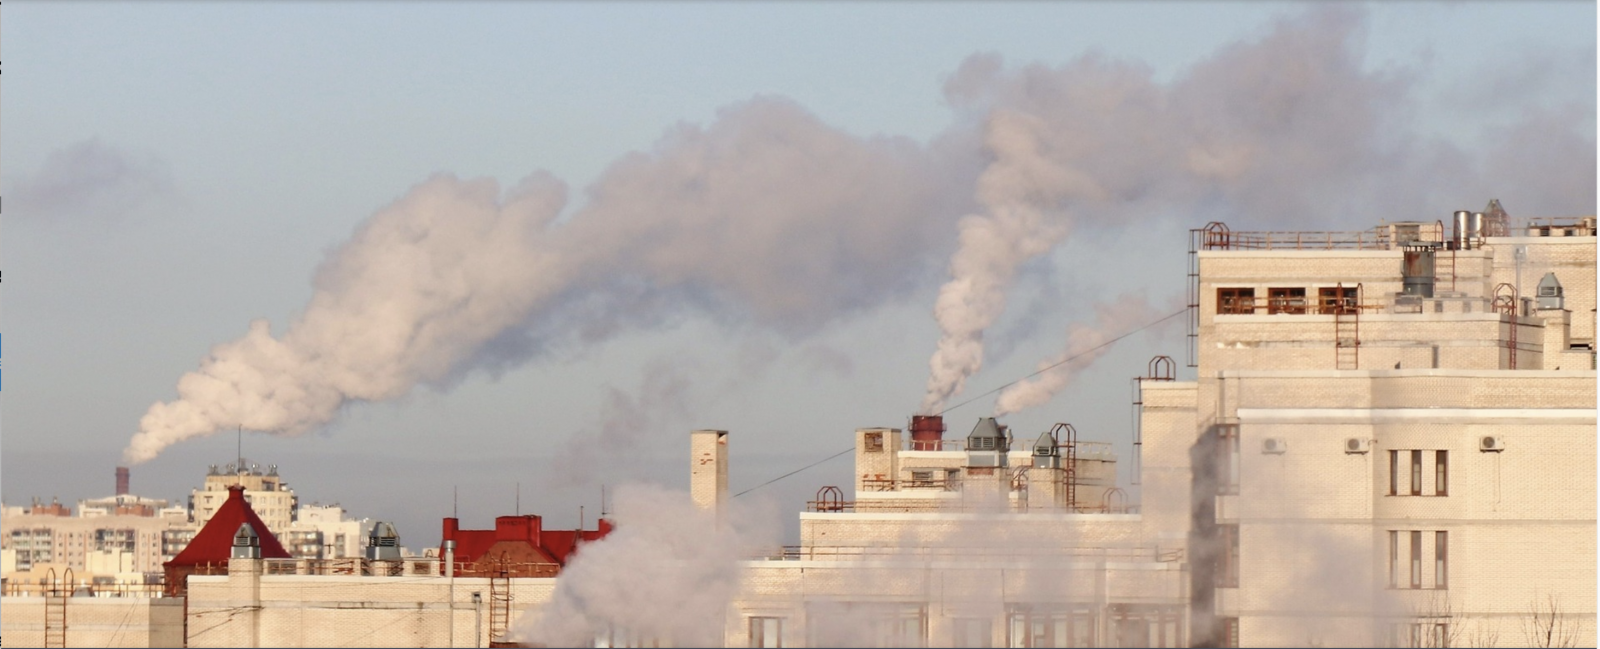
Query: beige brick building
{"type": "Point", "coordinates": [1387, 443]}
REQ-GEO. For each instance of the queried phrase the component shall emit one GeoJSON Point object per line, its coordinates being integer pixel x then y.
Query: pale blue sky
{"type": "Point", "coordinates": [267, 132]}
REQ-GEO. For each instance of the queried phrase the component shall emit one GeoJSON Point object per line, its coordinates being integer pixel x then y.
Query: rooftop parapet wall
{"type": "Point", "coordinates": [1535, 389]}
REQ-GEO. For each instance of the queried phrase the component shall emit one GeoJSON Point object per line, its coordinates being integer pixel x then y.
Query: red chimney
{"type": "Point", "coordinates": [927, 433]}
{"type": "Point", "coordinates": [122, 481]}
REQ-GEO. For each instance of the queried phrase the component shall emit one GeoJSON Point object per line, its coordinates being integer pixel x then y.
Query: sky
{"type": "Point", "coordinates": [758, 217]}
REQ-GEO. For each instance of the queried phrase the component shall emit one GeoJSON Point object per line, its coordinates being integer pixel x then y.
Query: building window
{"type": "Point", "coordinates": [1416, 559]}
{"type": "Point", "coordinates": [1228, 556]}
{"type": "Point", "coordinates": [1416, 473]}
{"type": "Point", "coordinates": [1421, 634]}
{"type": "Point", "coordinates": [1441, 559]}
{"type": "Point", "coordinates": [874, 442]}
{"type": "Point", "coordinates": [1394, 473]}
{"type": "Point", "coordinates": [1236, 300]}
{"type": "Point", "coordinates": [1230, 632]}
{"type": "Point", "coordinates": [1286, 300]}
{"type": "Point", "coordinates": [1037, 626]}
{"type": "Point", "coordinates": [766, 632]}
{"type": "Point", "coordinates": [973, 632]}
{"type": "Point", "coordinates": [1228, 462]}
{"type": "Point", "coordinates": [1394, 559]}
{"type": "Point", "coordinates": [1335, 299]}
{"type": "Point", "coordinates": [1441, 473]}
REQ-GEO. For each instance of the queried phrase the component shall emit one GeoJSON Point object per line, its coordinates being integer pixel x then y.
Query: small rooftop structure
{"type": "Point", "coordinates": [518, 545]}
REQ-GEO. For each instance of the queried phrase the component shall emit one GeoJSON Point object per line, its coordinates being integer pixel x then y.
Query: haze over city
{"type": "Point", "coordinates": [741, 217]}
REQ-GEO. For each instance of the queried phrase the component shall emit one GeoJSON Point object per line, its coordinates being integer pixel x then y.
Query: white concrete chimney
{"type": "Point", "coordinates": [708, 468]}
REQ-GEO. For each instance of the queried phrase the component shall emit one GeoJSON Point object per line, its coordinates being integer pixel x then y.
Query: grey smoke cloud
{"type": "Point", "coordinates": [91, 179]}
{"type": "Point", "coordinates": [1286, 130]}
{"type": "Point", "coordinates": [668, 573]}
{"type": "Point", "coordinates": [769, 218]}
{"type": "Point", "coordinates": [1084, 347]}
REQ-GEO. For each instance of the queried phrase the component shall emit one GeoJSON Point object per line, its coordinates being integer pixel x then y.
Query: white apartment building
{"type": "Point", "coordinates": [1391, 438]}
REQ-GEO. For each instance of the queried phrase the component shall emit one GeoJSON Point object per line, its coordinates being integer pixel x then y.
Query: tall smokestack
{"type": "Point", "coordinates": [122, 481]}
{"type": "Point", "coordinates": [708, 471]}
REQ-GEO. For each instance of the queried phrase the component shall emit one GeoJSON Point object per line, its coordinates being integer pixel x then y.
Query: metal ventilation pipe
{"type": "Point", "coordinates": [1417, 271]}
{"type": "Point", "coordinates": [927, 433]}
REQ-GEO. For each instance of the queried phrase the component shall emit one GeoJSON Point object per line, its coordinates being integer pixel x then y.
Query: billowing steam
{"type": "Point", "coordinates": [769, 217]}
{"type": "Point", "coordinates": [421, 285]}
{"type": "Point", "coordinates": [667, 573]}
{"type": "Point", "coordinates": [1084, 347]}
{"type": "Point", "coordinates": [1099, 142]}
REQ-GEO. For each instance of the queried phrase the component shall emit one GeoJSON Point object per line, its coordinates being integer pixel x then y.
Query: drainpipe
{"type": "Point", "coordinates": [450, 574]}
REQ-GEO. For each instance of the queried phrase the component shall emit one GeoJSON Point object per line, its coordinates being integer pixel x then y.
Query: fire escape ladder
{"type": "Point", "coordinates": [499, 601]}
{"type": "Point", "coordinates": [1347, 328]}
{"type": "Point", "coordinates": [55, 609]}
{"type": "Point", "coordinates": [1506, 302]}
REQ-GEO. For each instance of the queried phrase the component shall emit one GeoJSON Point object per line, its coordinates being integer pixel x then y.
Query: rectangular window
{"type": "Point", "coordinates": [766, 632]}
{"type": "Point", "coordinates": [1333, 300]}
{"type": "Point", "coordinates": [1228, 460]}
{"type": "Point", "coordinates": [973, 632]}
{"type": "Point", "coordinates": [1416, 473]}
{"type": "Point", "coordinates": [1230, 632]}
{"type": "Point", "coordinates": [1394, 559]}
{"type": "Point", "coordinates": [1394, 473]}
{"type": "Point", "coordinates": [1441, 559]}
{"type": "Point", "coordinates": [1236, 300]}
{"type": "Point", "coordinates": [874, 442]}
{"type": "Point", "coordinates": [1416, 559]}
{"type": "Point", "coordinates": [1441, 473]}
{"type": "Point", "coordinates": [1228, 556]}
{"type": "Point", "coordinates": [1286, 300]}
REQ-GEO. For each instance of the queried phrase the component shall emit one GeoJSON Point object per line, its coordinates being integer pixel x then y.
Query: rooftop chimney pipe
{"type": "Point", "coordinates": [122, 481]}
{"type": "Point", "coordinates": [927, 433]}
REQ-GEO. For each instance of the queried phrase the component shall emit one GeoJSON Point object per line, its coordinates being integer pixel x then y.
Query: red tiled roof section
{"type": "Point", "coordinates": [214, 542]}
{"type": "Point", "coordinates": [517, 540]}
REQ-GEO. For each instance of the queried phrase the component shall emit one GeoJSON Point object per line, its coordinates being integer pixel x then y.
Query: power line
{"type": "Point", "coordinates": [941, 413]}
{"type": "Point", "coordinates": [852, 448]}
{"type": "Point", "coordinates": [1068, 359]}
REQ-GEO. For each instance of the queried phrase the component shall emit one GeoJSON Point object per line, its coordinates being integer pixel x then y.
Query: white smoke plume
{"type": "Point", "coordinates": [1084, 347]}
{"type": "Point", "coordinates": [1283, 130]}
{"type": "Point", "coordinates": [421, 284]}
{"type": "Point", "coordinates": [668, 572]}
{"type": "Point", "coordinates": [768, 216]}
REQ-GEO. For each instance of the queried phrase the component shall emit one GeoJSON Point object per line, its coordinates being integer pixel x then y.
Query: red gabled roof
{"type": "Point", "coordinates": [214, 543]}
{"type": "Point", "coordinates": [556, 546]}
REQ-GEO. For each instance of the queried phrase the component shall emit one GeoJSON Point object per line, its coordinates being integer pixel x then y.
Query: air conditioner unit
{"type": "Point", "coordinates": [1492, 443]}
{"type": "Point", "coordinates": [1274, 445]}
{"type": "Point", "coordinates": [1357, 445]}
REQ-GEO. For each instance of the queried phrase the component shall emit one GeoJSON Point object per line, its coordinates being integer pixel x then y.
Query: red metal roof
{"type": "Point", "coordinates": [214, 543]}
{"type": "Point", "coordinates": [558, 545]}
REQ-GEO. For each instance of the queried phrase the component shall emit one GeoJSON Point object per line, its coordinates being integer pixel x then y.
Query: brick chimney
{"type": "Point", "coordinates": [122, 481]}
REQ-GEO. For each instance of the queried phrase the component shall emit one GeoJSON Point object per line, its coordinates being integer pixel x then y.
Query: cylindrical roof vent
{"type": "Point", "coordinates": [927, 433]}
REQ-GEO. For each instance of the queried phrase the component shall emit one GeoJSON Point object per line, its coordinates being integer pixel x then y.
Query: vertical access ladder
{"type": "Point", "coordinates": [1347, 328]}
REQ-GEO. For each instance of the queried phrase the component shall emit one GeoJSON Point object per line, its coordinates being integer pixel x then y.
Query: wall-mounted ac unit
{"type": "Point", "coordinates": [1357, 445]}
{"type": "Point", "coordinates": [1492, 443]}
{"type": "Point", "coordinates": [1274, 445]}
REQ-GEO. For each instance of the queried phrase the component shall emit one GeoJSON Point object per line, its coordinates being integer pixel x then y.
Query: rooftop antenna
{"type": "Point", "coordinates": [519, 498]}
{"type": "Point", "coordinates": [455, 502]}
{"type": "Point", "coordinates": [602, 500]}
{"type": "Point", "coordinates": [580, 518]}
{"type": "Point", "coordinates": [238, 476]}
